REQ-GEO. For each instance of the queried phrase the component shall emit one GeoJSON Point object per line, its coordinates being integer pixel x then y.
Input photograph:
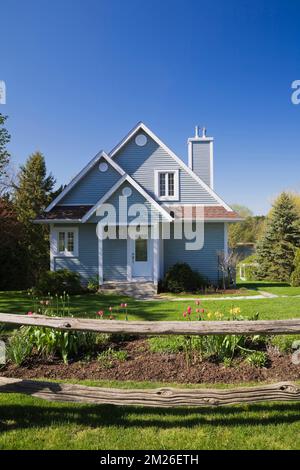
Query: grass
{"type": "Point", "coordinates": [240, 292]}
{"type": "Point", "coordinates": [88, 305]}
{"type": "Point", "coordinates": [31, 423]}
{"type": "Point", "coordinates": [277, 288]}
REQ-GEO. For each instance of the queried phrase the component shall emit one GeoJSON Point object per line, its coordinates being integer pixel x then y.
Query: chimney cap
{"type": "Point", "coordinates": [200, 137]}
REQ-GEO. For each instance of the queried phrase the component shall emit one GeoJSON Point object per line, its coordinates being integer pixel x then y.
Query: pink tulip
{"type": "Point", "coordinates": [125, 305]}
{"type": "Point", "coordinates": [197, 310]}
{"type": "Point", "coordinates": [29, 313]}
{"type": "Point", "coordinates": [202, 310]}
{"type": "Point", "coordinates": [189, 310]}
{"type": "Point", "coordinates": [100, 313]}
{"type": "Point", "coordinates": [122, 305]}
{"type": "Point", "coordinates": [184, 314]}
{"type": "Point", "coordinates": [197, 302]}
{"type": "Point", "coordinates": [110, 309]}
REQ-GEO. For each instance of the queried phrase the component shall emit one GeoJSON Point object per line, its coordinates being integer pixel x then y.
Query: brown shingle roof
{"type": "Point", "coordinates": [65, 213]}
{"type": "Point", "coordinates": [210, 212]}
{"type": "Point", "coordinates": [77, 212]}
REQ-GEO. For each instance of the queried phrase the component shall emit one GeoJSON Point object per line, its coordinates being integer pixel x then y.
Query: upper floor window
{"type": "Point", "coordinates": [166, 184]}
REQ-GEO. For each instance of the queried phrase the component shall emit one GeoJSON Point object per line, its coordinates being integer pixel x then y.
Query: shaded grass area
{"type": "Point", "coordinates": [278, 288]}
{"type": "Point", "coordinates": [88, 305]}
{"type": "Point", "coordinates": [31, 423]}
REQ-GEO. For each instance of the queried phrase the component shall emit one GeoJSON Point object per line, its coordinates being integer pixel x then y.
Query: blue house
{"type": "Point", "coordinates": [132, 213]}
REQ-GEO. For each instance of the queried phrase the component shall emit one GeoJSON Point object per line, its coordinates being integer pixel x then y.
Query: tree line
{"type": "Point", "coordinates": [276, 236]}
{"type": "Point", "coordinates": [24, 252]}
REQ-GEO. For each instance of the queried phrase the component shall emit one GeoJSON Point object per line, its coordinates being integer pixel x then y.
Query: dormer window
{"type": "Point", "coordinates": [166, 185]}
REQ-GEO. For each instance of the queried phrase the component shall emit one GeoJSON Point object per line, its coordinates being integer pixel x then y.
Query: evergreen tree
{"type": "Point", "coordinates": [32, 194]}
{"type": "Point", "coordinates": [4, 140]}
{"type": "Point", "coordinates": [276, 249]}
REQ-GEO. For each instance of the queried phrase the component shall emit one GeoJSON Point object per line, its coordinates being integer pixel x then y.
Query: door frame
{"type": "Point", "coordinates": [155, 262]}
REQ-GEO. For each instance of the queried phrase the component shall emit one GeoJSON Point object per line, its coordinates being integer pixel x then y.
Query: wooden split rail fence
{"type": "Point", "coordinates": [162, 397]}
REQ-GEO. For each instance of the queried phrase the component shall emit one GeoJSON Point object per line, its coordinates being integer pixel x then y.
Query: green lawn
{"type": "Point", "coordinates": [31, 423]}
{"type": "Point", "coordinates": [88, 305]}
{"type": "Point", "coordinates": [278, 288]}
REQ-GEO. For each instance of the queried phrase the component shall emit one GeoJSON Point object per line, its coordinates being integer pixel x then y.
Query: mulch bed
{"type": "Point", "coordinates": [144, 365]}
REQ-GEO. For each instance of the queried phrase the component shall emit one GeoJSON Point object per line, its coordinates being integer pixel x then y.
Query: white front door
{"type": "Point", "coordinates": [142, 258]}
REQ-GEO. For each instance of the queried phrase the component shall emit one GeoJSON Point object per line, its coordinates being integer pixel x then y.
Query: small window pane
{"type": "Point", "coordinates": [171, 184]}
{"type": "Point", "coordinates": [61, 241]}
{"type": "Point", "coordinates": [70, 241]}
{"type": "Point", "coordinates": [141, 249]}
{"type": "Point", "coordinates": [162, 184]}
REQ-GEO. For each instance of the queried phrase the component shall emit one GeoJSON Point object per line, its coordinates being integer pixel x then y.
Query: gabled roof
{"type": "Point", "coordinates": [141, 126]}
{"type": "Point", "coordinates": [63, 214]}
{"type": "Point", "coordinates": [210, 213]}
{"type": "Point", "coordinates": [116, 186]}
{"type": "Point", "coordinates": [82, 173]}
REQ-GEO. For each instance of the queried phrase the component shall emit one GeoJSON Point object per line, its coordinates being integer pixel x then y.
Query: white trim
{"type": "Point", "coordinates": [129, 260]}
{"type": "Point", "coordinates": [156, 264]}
{"type": "Point", "coordinates": [65, 254]}
{"type": "Point", "coordinates": [52, 247]}
{"type": "Point", "coordinates": [157, 185]}
{"type": "Point", "coordinates": [149, 198]}
{"type": "Point", "coordinates": [180, 162]}
{"type": "Point", "coordinates": [225, 239]}
{"type": "Point", "coordinates": [57, 221]}
{"type": "Point", "coordinates": [100, 254]}
{"type": "Point", "coordinates": [190, 155]}
{"type": "Point", "coordinates": [82, 173]}
{"type": "Point", "coordinates": [104, 198]}
{"type": "Point", "coordinates": [211, 152]}
{"type": "Point", "coordinates": [114, 188]}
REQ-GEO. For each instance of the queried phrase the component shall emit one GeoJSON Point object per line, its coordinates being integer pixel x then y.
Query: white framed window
{"type": "Point", "coordinates": [66, 241]}
{"type": "Point", "coordinates": [166, 184]}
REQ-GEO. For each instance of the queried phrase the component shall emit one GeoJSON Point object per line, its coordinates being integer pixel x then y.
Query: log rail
{"type": "Point", "coordinates": [163, 397]}
{"type": "Point", "coordinates": [234, 327]}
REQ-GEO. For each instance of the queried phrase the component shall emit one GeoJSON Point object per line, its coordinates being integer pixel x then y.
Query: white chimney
{"type": "Point", "coordinates": [200, 153]}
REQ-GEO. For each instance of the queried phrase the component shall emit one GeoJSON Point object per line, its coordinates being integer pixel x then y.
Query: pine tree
{"type": "Point", "coordinates": [4, 140]}
{"type": "Point", "coordinates": [276, 249]}
{"type": "Point", "coordinates": [32, 194]}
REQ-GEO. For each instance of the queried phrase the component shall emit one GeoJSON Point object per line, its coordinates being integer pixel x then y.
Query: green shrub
{"type": "Point", "coordinates": [65, 344]}
{"type": "Point", "coordinates": [181, 278]}
{"type": "Point", "coordinates": [19, 348]}
{"type": "Point", "coordinates": [284, 343]}
{"type": "Point", "coordinates": [165, 344]}
{"type": "Point", "coordinates": [257, 359]}
{"type": "Point", "coordinates": [93, 284]}
{"type": "Point", "coordinates": [295, 276]}
{"type": "Point", "coordinates": [58, 282]}
{"type": "Point", "coordinates": [107, 357]}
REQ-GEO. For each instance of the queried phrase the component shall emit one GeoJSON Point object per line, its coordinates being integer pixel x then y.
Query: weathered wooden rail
{"type": "Point", "coordinates": [234, 327]}
{"type": "Point", "coordinates": [163, 397]}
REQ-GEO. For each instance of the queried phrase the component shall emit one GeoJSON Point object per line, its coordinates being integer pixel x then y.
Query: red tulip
{"type": "Point", "coordinates": [100, 313]}
{"type": "Point", "coordinates": [189, 310]}
{"type": "Point", "coordinates": [184, 314]}
{"type": "Point", "coordinates": [202, 310]}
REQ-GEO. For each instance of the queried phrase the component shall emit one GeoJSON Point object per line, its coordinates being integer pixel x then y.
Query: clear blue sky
{"type": "Point", "coordinates": [80, 74]}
